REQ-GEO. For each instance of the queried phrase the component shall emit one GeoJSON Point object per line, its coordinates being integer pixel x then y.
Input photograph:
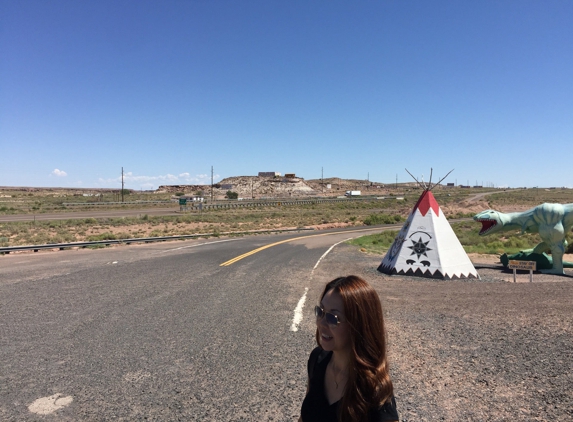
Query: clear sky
{"type": "Point", "coordinates": [167, 89]}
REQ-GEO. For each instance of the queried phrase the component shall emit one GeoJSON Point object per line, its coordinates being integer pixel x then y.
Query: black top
{"type": "Point", "coordinates": [315, 407]}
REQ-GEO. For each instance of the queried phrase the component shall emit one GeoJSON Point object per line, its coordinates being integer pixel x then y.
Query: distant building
{"type": "Point", "coordinates": [193, 198]}
{"type": "Point", "coordinates": [451, 185]}
{"type": "Point", "coordinates": [269, 174]}
{"type": "Point", "coordinates": [290, 175]}
{"type": "Point", "coordinates": [227, 187]}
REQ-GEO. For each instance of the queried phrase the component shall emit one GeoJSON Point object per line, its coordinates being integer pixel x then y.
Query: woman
{"type": "Point", "coordinates": [348, 378]}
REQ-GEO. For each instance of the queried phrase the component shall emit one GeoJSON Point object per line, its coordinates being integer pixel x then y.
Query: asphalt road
{"type": "Point", "coordinates": [160, 331]}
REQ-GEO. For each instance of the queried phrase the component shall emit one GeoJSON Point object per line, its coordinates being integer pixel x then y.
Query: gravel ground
{"type": "Point", "coordinates": [479, 350]}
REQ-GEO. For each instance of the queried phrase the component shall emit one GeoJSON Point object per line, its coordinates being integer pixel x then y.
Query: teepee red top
{"type": "Point", "coordinates": [425, 202]}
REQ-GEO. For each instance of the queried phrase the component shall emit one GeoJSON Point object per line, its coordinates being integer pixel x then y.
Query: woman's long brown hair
{"type": "Point", "coordinates": [369, 384]}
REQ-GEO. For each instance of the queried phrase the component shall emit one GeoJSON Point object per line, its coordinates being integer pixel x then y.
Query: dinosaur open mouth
{"type": "Point", "coordinates": [487, 225]}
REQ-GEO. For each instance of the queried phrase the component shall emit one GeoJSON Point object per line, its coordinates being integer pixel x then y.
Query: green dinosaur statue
{"type": "Point", "coordinates": [542, 260]}
{"type": "Point", "coordinates": [551, 221]}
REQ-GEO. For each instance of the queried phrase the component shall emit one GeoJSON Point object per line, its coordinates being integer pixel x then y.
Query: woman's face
{"type": "Point", "coordinates": [333, 337]}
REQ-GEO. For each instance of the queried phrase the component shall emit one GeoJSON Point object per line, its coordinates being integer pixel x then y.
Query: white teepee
{"type": "Point", "coordinates": [427, 246]}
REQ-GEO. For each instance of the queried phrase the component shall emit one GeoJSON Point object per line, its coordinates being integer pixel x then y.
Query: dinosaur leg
{"type": "Point", "coordinates": [557, 252]}
{"type": "Point", "coordinates": [554, 236]}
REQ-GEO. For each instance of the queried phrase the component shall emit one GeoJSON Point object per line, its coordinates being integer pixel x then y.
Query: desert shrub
{"type": "Point", "coordinates": [382, 218]}
{"type": "Point", "coordinates": [102, 236]}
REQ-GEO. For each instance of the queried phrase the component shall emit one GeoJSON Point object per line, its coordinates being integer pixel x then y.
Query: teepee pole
{"type": "Point", "coordinates": [429, 186]}
{"type": "Point", "coordinates": [444, 177]}
{"type": "Point", "coordinates": [417, 181]}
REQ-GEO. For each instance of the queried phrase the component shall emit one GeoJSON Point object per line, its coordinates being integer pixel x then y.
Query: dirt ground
{"type": "Point", "coordinates": [479, 350]}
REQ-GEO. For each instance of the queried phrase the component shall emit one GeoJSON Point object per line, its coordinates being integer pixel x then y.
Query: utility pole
{"type": "Point", "coordinates": [211, 183]}
{"type": "Point", "coordinates": [322, 179]}
{"type": "Point", "coordinates": [122, 184]}
{"type": "Point", "coordinates": [396, 181]}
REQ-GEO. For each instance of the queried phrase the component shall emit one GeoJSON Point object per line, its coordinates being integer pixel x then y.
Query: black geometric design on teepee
{"type": "Point", "coordinates": [419, 247]}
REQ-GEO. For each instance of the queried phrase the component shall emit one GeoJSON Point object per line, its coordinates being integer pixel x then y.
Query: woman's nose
{"type": "Point", "coordinates": [321, 322]}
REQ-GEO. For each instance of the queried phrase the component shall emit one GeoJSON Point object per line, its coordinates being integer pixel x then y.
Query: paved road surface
{"type": "Point", "coordinates": [159, 331]}
{"type": "Point", "coordinates": [484, 194]}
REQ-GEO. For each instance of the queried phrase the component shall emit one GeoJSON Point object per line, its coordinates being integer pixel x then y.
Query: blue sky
{"type": "Point", "coordinates": [167, 89]}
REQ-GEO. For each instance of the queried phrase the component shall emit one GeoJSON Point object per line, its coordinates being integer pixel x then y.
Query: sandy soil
{"type": "Point", "coordinates": [480, 350]}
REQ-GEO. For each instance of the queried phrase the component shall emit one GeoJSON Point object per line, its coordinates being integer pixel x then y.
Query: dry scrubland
{"type": "Point", "coordinates": [454, 202]}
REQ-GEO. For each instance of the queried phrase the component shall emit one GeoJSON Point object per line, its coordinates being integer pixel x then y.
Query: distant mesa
{"type": "Point", "coordinates": [272, 184]}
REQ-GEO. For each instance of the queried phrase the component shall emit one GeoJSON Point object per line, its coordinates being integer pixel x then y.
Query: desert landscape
{"type": "Point", "coordinates": [34, 215]}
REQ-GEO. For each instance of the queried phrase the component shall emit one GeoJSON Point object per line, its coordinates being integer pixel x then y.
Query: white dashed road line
{"type": "Point", "coordinates": [297, 318]}
{"type": "Point", "coordinates": [326, 253]}
{"type": "Point", "coordinates": [298, 312]}
{"type": "Point", "coordinates": [199, 244]}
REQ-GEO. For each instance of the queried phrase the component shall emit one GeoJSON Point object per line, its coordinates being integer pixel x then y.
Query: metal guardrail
{"type": "Point", "coordinates": [196, 206]}
{"type": "Point", "coordinates": [62, 246]}
{"type": "Point", "coordinates": [232, 203]}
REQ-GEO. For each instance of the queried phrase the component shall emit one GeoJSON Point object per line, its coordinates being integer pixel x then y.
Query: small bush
{"type": "Point", "coordinates": [382, 218]}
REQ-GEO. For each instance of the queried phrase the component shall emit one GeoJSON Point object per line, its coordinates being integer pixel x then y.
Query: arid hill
{"type": "Point", "coordinates": [283, 187]}
{"type": "Point", "coordinates": [249, 187]}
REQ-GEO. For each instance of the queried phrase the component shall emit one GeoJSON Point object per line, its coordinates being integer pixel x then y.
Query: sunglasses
{"type": "Point", "coordinates": [331, 319]}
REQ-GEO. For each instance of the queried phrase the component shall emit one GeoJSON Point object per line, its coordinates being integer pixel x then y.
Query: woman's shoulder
{"type": "Point", "coordinates": [316, 357]}
{"type": "Point", "coordinates": [386, 412]}
{"type": "Point", "coordinates": [315, 352]}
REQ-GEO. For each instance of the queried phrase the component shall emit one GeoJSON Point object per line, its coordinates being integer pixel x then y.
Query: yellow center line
{"type": "Point", "coordinates": [262, 248]}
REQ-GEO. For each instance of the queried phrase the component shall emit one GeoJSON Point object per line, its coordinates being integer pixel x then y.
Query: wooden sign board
{"type": "Point", "coordinates": [523, 265]}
